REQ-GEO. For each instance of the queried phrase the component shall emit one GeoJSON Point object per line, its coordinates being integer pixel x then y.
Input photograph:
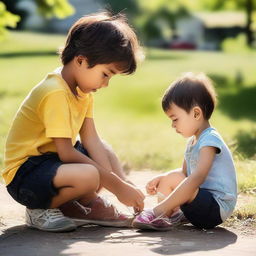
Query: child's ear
{"type": "Point", "coordinates": [197, 111]}
{"type": "Point", "coordinates": [80, 60]}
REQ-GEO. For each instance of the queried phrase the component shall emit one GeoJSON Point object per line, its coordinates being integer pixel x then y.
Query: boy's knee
{"type": "Point", "coordinates": [88, 178]}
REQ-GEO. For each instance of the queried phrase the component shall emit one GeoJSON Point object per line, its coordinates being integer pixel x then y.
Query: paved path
{"type": "Point", "coordinates": [17, 239]}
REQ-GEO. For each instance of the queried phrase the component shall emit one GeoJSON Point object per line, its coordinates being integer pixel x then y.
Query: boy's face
{"type": "Point", "coordinates": [186, 124]}
{"type": "Point", "coordinates": [92, 79]}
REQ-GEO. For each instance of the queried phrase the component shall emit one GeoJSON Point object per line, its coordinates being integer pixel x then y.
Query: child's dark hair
{"type": "Point", "coordinates": [191, 90]}
{"type": "Point", "coordinates": [103, 39]}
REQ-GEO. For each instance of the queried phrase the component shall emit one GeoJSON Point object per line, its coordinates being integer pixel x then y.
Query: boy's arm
{"type": "Point", "coordinates": [187, 190]}
{"type": "Point", "coordinates": [68, 154]}
{"type": "Point", "coordinates": [96, 148]}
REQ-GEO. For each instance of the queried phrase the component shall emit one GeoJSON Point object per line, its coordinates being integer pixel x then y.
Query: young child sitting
{"type": "Point", "coordinates": [45, 168]}
{"type": "Point", "coordinates": [205, 188]}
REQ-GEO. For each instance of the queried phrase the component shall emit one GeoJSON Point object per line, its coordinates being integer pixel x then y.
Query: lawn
{"type": "Point", "coordinates": [128, 114]}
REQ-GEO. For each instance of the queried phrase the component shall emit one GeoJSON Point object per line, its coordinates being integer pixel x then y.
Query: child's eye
{"type": "Point", "coordinates": [174, 120]}
{"type": "Point", "coordinates": [105, 75]}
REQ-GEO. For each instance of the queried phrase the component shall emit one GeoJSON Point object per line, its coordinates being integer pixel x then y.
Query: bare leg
{"type": "Point", "coordinates": [169, 183]}
{"type": "Point", "coordinates": [75, 181]}
{"type": "Point", "coordinates": [166, 186]}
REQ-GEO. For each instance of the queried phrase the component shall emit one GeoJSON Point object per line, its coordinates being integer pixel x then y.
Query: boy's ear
{"type": "Point", "coordinates": [80, 60]}
{"type": "Point", "coordinates": [197, 111]}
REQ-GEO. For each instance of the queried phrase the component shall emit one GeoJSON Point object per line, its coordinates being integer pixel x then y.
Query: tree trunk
{"type": "Point", "coordinates": [248, 29]}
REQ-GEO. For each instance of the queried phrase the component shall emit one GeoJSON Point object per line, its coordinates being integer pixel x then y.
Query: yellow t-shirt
{"type": "Point", "coordinates": [50, 110]}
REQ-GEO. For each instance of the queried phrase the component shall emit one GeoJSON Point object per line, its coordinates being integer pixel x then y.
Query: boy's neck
{"type": "Point", "coordinates": [66, 74]}
{"type": "Point", "coordinates": [204, 126]}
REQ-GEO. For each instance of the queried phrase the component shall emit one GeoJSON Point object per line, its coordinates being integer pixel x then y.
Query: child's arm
{"type": "Point", "coordinates": [186, 191]}
{"type": "Point", "coordinates": [184, 167]}
{"type": "Point", "coordinates": [99, 151]}
{"type": "Point", "coordinates": [68, 154]}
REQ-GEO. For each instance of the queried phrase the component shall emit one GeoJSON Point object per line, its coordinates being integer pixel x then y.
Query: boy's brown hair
{"type": "Point", "coordinates": [191, 90]}
{"type": "Point", "coordinates": [103, 39]}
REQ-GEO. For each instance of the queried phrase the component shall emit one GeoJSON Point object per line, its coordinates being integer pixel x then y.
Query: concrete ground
{"type": "Point", "coordinates": [17, 239]}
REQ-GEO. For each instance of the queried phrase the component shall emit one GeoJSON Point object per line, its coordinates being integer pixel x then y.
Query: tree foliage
{"type": "Point", "coordinates": [6, 19]}
{"type": "Point", "coordinates": [248, 6]}
{"type": "Point", "coordinates": [55, 8]}
{"type": "Point", "coordinates": [159, 13]}
{"type": "Point", "coordinates": [48, 8]}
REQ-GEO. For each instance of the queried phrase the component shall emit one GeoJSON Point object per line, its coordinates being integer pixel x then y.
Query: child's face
{"type": "Point", "coordinates": [186, 124]}
{"type": "Point", "coordinates": [92, 79]}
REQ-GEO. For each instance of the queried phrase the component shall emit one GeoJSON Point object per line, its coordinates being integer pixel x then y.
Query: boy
{"type": "Point", "coordinates": [205, 188]}
{"type": "Point", "coordinates": [45, 169]}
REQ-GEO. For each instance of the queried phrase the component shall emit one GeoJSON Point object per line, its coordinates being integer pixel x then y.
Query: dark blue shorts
{"type": "Point", "coordinates": [32, 185]}
{"type": "Point", "coordinates": [203, 211]}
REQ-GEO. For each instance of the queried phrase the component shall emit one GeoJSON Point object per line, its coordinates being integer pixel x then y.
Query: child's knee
{"type": "Point", "coordinates": [88, 179]}
{"type": "Point", "coordinates": [172, 180]}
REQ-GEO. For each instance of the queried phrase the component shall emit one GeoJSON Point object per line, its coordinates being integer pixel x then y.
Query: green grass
{"type": "Point", "coordinates": [128, 114]}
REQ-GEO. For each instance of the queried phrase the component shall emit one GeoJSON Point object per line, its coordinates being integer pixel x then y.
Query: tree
{"type": "Point", "coordinates": [9, 15]}
{"type": "Point", "coordinates": [248, 6]}
{"type": "Point", "coordinates": [6, 19]}
{"type": "Point", "coordinates": [161, 16]}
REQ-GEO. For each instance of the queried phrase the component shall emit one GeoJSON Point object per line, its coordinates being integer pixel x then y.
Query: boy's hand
{"type": "Point", "coordinates": [131, 196]}
{"type": "Point", "coordinates": [152, 185]}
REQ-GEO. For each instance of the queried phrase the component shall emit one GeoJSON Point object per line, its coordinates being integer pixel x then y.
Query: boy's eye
{"type": "Point", "coordinates": [105, 75]}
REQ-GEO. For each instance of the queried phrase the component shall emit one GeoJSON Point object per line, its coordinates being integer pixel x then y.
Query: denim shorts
{"type": "Point", "coordinates": [32, 185]}
{"type": "Point", "coordinates": [203, 211]}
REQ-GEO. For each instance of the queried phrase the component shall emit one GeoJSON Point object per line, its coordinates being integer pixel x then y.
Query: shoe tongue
{"type": "Point", "coordinates": [92, 202]}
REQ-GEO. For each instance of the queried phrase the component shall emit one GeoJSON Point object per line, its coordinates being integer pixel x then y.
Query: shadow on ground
{"type": "Point", "coordinates": [22, 241]}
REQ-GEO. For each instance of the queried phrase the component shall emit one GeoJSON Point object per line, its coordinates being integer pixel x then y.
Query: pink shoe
{"type": "Point", "coordinates": [99, 212]}
{"type": "Point", "coordinates": [147, 220]}
{"type": "Point", "coordinates": [178, 218]}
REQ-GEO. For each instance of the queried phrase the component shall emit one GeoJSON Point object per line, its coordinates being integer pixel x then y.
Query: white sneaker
{"type": "Point", "coordinates": [49, 220]}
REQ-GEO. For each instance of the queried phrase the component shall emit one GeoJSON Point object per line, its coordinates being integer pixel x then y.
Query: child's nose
{"type": "Point", "coordinates": [173, 125]}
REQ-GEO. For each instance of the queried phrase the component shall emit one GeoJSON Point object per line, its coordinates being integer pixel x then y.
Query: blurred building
{"type": "Point", "coordinates": [208, 30]}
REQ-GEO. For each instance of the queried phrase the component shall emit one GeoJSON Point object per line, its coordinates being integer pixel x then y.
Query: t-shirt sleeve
{"type": "Point", "coordinates": [89, 112]}
{"type": "Point", "coordinates": [55, 114]}
{"type": "Point", "coordinates": [211, 140]}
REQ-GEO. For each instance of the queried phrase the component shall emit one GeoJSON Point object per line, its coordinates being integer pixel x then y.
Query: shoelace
{"type": "Point", "coordinates": [160, 217]}
{"type": "Point", "coordinates": [86, 210]}
{"type": "Point", "coordinates": [54, 214]}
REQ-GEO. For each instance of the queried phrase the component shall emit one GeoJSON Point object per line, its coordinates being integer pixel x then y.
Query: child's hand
{"type": "Point", "coordinates": [152, 185]}
{"type": "Point", "coordinates": [131, 196]}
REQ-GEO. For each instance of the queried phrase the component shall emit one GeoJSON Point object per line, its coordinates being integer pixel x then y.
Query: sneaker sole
{"type": "Point", "coordinates": [66, 229]}
{"type": "Point", "coordinates": [109, 223]}
{"type": "Point", "coordinates": [140, 225]}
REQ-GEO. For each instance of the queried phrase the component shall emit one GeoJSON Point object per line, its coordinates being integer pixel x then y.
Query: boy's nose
{"type": "Point", "coordinates": [173, 126]}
